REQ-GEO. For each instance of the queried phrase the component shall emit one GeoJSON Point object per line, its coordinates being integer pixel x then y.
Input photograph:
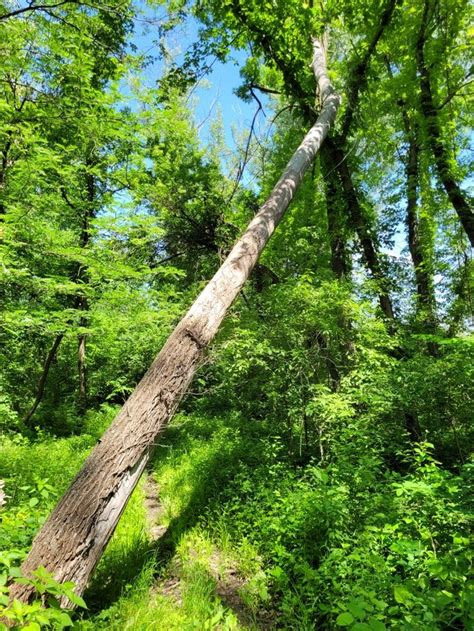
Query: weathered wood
{"type": "Point", "coordinates": [72, 540]}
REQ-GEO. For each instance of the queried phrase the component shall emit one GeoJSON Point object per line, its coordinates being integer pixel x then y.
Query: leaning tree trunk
{"type": "Point", "coordinates": [72, 540]}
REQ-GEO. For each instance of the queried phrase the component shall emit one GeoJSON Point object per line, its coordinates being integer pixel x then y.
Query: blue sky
{"type": "Point", "coordinates": [214, 94]}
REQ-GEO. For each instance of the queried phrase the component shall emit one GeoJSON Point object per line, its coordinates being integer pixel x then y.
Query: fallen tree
{"type": "Point", "coordinates": [72, 540]}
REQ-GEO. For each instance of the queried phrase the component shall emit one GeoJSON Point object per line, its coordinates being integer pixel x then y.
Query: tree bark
{"type": "Point", "coordinates": [460, 200]}
{"type": "Point", "coordinates": [72, 540]}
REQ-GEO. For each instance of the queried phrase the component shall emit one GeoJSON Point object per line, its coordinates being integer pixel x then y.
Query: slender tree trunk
{"type": "Point", "coordinates": [44, 376]}
{"type": "Point", "coordinates": [423, 276]}
{"type": "Point", "coordinates": [333, 371]}
{"type": "Point", "coordinates": [82, 276]}
{"type": "Point", "coordinates": [360, 225]}
{"type": "Point", "coordinates": [3, 171]}
{"type": "Point", "coordinates": [72, 540]}
{"type": "Point", "coordinates": [337, 228]}
{"type": "Point", "coordinates": [81, 304]}
{"type": "Point", "coordinates": [458, 198]}
{"type": "Point", "coordinates": [81, 368]}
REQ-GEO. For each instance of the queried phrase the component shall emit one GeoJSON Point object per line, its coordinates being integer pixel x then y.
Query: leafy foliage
{"type": "Point", "coordinates": [319, 473]}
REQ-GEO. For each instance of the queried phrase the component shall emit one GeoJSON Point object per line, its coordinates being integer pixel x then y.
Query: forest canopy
{"type": "Point", "coordinates": [318, 471]}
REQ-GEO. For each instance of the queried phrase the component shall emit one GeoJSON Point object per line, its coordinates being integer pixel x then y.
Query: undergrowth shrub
{"type": "Point", "coordinates": [346, 542]}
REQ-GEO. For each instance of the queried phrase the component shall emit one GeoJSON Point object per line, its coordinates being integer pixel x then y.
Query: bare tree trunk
{"type": "Point", "coordinates": [44, 376]}
{"type": "Point", "coordinates": [459, 199]}
{"type": "Point", "coordinates": [72, 540]}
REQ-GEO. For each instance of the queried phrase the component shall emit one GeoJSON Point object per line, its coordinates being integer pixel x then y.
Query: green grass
{"type": "Point", "coordinates": [185, 595]}
{"type": "Point", "coordinates": [194, 577]}
{"type": "Point", "coordinates": [255, 540]}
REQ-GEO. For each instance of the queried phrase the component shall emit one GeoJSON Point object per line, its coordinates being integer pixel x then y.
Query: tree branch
{"type": "Point", "coordinates": [358, 78]}
{"type": "Point", "coordinates": [36, 7]}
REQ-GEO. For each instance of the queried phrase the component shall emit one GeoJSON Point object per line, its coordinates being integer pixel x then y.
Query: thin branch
{"type": "Point", "coordinates": [173, 256]}
{"type": "Point", "coordinates": [244, 162]}
{"type": "Point", "coordinates": [264, 89]}
{"type": "Point", "coordinates": [36, 7]}
{"type": "Point", "coordinates": [454, 92]}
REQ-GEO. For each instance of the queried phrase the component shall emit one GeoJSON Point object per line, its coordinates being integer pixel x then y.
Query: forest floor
{"type": "Point", "coordinates": [223, 570]}
{"type": "Point", "coordinates": [226, 532]}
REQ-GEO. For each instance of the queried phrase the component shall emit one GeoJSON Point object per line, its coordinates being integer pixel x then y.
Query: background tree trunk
{"type": "Point", "coordinates": [337, 225]}
{"type": "Point", "coordinates": [423, 275]}
{"type": "Point", "coordinates": [360, 225]}
{"type": "Point", "coordinates": [72, 540]}
{"type": "Point", "coordinates": [44, 376]}
{"type": "Point", "coordinates": [460, 200]}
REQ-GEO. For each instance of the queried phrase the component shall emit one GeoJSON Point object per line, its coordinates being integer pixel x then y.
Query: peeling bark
{"type": "Point", "coordinates": [72, 540]}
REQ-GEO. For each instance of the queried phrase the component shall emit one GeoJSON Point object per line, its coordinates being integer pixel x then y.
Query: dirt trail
{"type": "Point", "coordinates": [154, 508]}
{"type": "Point", "coordinates": [229, 583]}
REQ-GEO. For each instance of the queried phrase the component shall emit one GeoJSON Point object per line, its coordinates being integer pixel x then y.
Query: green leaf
{"type": "Point", "coordinates": [376, 625]}
{"type": "Point", "coordinates": [402, 595]}
{"type": "Point", "coordinates": [64, 619]}
{"type": "Point", "coordinates": [345, 619]}
{"type": "Point", "coordinates": [357, 608]}
{"type": "Point", "coordinates": [77, 600]}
